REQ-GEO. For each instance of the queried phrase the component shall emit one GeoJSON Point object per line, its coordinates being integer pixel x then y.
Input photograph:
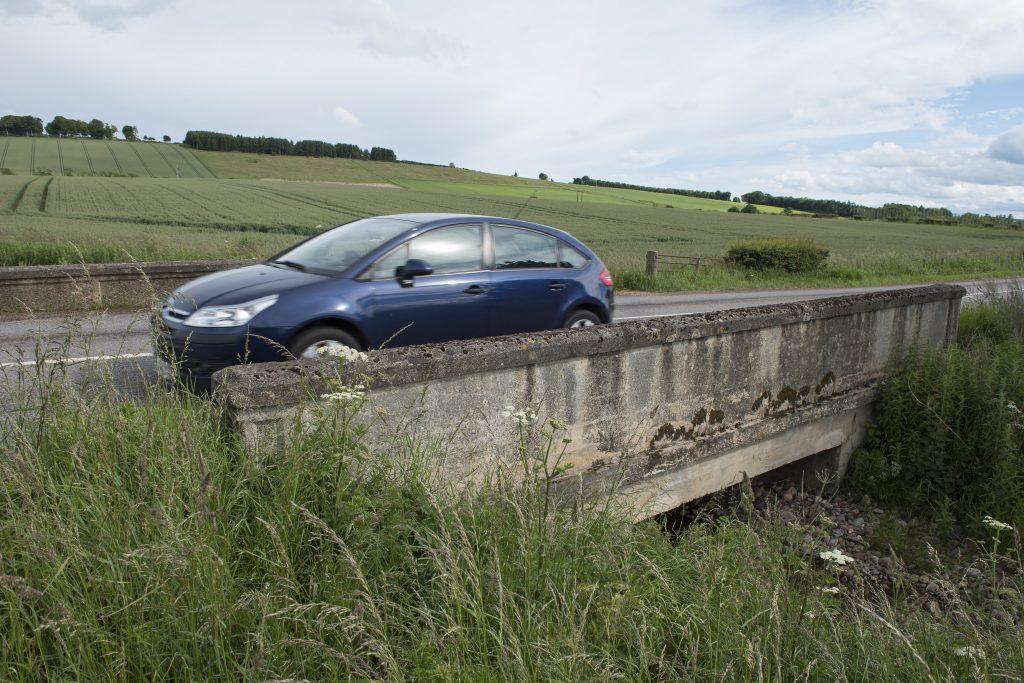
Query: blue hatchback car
{"type": "Point", "coordinates": [385, 281]}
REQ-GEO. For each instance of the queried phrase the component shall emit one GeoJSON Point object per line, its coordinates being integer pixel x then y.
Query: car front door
{"type": "Point", "coordinates": [449, 304]}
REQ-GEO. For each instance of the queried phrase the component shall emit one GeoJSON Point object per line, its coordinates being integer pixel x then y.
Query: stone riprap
{"type": "Point", "coordinates": [660, 411]}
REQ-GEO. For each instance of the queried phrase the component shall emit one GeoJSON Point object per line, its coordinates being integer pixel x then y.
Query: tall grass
{"type": "Point", "coordinates": [138, 542]}
{"type": "Point", "coordinates": [949, 433]}
{"type": "Point", "coordinates": [886, 269]}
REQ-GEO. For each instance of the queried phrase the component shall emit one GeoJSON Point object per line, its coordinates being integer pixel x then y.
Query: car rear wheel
{"type": "Point", "coordinates": [581, 318]}
{"type": "Point", "coordinates": [309, 344]}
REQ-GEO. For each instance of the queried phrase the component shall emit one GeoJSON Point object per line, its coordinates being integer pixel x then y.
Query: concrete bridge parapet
{"type": "Point", "coordinates": [660, 410]}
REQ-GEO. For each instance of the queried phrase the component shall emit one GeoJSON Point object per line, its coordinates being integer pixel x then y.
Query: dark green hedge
{"type": "Point", "coordinates": [792, 256]}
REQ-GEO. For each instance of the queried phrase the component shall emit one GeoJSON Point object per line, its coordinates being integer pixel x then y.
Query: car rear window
{"type": "Point", "coordinates": [519, 248]}
{"type": "Point", "coordinates": [570, 256]}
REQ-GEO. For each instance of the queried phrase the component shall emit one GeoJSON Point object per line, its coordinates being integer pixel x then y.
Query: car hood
{"type": "Point", "coordinates": [239, 285]}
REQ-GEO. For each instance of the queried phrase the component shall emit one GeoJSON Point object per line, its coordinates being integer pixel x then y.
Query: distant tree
{"type": "Point", "coordinates": [130, 133]}
{"type": "Point", "coordinates": [788, 211]}
{"type": "Point", "coordinates": [515, 174]}
{"type": "Point", "coordinates": [20, 125]}
{"type": "Point", "coordinates": [101, 131]}
{"type": "Point", "coordinates": [382, 154]}
{"type": "Point", "coordinates": [65, 127]}
{"type": "Point", "coordinates": [167, 138]}
{"type": "Point", "coordinates": [543, 176]}
{"type": "Point", "coordinates": [749, 208]}
{"type": "Point", "coordinates": [734, 209]}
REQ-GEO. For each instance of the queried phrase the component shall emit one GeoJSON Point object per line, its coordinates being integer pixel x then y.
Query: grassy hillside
{"type": "Point", "coordinates": [77, 157]}
{"type": "Point", "coordinates": [67, 218]}
{"type": "Point", "coordinates": [443, 179]}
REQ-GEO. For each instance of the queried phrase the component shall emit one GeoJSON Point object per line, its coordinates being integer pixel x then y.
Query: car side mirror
{"type": "Point", "coordinates": [413, 268]}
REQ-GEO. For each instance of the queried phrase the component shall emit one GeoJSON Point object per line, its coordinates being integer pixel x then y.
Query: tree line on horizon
{"type": "Point", "coordinates": [701, 194]}
{"type": "Point", "coordinates": [901, 213]}
{"type": "Point", "coordinates": [61, 126]}
{"type": "Point", "coordinates": [225, 142]}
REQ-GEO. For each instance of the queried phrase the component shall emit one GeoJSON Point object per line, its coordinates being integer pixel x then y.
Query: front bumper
{"type": "Point", "coordinates": [193, 354]}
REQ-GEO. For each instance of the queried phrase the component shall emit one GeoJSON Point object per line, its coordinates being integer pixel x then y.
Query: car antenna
{"type": "Point", "coordinates": [532, 196]}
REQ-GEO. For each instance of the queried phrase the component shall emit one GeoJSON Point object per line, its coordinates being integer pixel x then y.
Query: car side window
{"type": "Point", "coordinates": [519, 248]}
{"type": "Point", "coordinates": [384, 269]}
{"type": "Point", "coordinates": [570, 256]}
{"type": "Point", "coordinates": [450, 250]}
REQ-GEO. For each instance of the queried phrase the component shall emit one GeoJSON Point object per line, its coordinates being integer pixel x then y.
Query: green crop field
{"type": "Point", "coordinates": [80, 157]}
{"type": "Point", "coordinates": [72, 217]}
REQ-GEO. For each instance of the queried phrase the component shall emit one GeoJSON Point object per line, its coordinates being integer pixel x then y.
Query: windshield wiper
{"type": "Point", "coordinates": [291, 264]}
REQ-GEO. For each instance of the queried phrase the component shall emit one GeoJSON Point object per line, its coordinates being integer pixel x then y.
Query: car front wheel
{"type": "Point", "coordinates": [581, 318]}
{"type": "Point", "coordinates": [316, 341]}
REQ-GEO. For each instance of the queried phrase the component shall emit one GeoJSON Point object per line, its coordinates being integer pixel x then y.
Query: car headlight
{"type": "Point", "coordinates": [230, 316]}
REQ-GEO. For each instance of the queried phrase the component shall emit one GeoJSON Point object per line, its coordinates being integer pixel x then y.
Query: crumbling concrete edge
{"type": "Point", "coordinates": [273, 385]}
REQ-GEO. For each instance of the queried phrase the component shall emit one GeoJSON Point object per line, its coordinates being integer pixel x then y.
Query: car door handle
{"type": "Point", "coordinates": [556, 286]}
{"type": "Point", "coordinates": [474, 289]}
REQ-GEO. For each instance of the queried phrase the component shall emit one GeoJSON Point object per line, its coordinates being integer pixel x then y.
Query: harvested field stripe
{"type": "Point", "coordinates": [191, 161]}
{"type": "Point", "coordinates": [114, 157]}
{"type": "Point", "coordinates": [88, 158]}
{"type": "Point", "coordinates": [309, 201]}
{"type": "Point", "coordinates": [45, 194]}
{"type": "Point", "coordinates": [199, 161]}
{"type": "Point", "coordinates": [60, 158]}
{"type": "Point", "coordinates": [141, 160]}
{"type": "Point", "coordinates": [21, 195]}
{"type": "Point", "coordinates": [3, 156]}
{"type": "Point", "coordinates": [174, 169]}
{"type": "Point", "coordinates": [32, 158]}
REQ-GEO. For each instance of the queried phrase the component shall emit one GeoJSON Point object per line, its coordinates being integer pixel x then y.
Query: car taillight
{"type": "Point", "coordinates": [606, 277]}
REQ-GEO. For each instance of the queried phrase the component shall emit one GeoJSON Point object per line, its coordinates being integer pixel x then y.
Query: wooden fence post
{"type": "Point", "coordinates": [652, 263]}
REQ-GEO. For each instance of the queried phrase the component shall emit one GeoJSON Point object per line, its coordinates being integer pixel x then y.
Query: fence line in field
{"type": "Point", "coordinates": [658, 261]}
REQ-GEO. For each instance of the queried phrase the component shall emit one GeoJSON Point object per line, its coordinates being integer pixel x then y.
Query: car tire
{"type": "Point", "coordinates": [307, 344]}
{"type": "Point", "coordinates": [581, 318]}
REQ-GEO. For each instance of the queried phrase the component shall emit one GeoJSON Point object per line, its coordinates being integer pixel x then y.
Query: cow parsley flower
{"type": "Point", "coordinates": [346, 394]}
{"type": "Point", "coordinates": [970, 651]}
{"type": "Point", "coordinates": [996, 524]}
{"type": "Point", "coordinates": [520, 417]}
{"type": "Point", "coordinates": [835, 557]}
{"type": "Point", "coordinates": [345, 353]}
{"type": "Point", "coordinates": [834, 590]}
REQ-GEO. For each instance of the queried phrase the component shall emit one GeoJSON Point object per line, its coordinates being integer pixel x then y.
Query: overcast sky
{"type": "Point", "coordinates": [872, 101]}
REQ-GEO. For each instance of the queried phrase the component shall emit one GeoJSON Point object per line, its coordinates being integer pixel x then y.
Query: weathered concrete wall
{"type": "Point", "coordinates": [100, 285]}
{"type": "Point", "coordinates": [662, 410]}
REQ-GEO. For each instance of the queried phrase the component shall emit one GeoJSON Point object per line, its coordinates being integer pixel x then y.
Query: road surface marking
{"type": "Point", "coordinates": [83, 359]}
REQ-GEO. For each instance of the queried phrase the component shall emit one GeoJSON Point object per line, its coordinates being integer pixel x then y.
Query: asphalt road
{"type": "Point", "coordinates": [80, 337]}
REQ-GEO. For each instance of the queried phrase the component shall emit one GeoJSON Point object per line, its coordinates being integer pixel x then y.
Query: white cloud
{"type": "Point", "coordinates": [848, 96]}
{"type": "Point", "coordinates": [1009, 146]}
{"type": "Point", "coordinates": [345, 116]}
{"type": "Point", "coordinates": [102, 14]}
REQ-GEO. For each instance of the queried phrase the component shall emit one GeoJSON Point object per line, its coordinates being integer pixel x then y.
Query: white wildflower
{"type": "Point", "coordinates": [835, 557]}
{"type": "Point", "coordinates": [346, 353]}
{"type": "Point", "coordinates": [346, 394]}
{"type": "Point", "coordinates": [996, 524]}
{"type": "Point", "coordinates": [520, 417]}
{"type": "Point", "coordinates": [829, 589]}
{"type": "Point", "coordinates": [970, 651]}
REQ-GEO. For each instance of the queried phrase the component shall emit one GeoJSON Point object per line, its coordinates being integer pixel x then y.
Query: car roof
{"type": "Point", "coordinates": [430, 219]}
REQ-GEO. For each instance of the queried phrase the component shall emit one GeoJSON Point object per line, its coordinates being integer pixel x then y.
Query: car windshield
{"type": "Point", "coordinates": [335, 250]}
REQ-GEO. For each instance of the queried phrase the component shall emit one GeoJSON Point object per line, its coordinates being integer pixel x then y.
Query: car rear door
{"type": "Point", "coordinates": [452, 303]}
{"type": "Point", "coordinates": [529, 291]}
